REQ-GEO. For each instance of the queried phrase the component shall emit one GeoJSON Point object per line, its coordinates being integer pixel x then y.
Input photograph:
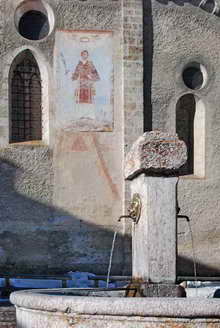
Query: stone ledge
{"type": "Point", "coordinates": [51, 301]}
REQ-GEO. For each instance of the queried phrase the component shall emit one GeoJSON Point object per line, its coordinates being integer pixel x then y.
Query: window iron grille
{"type": "Point", "coordinates": [26, 111]}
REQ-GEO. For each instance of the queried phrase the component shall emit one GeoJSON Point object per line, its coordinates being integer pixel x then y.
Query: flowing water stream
{"type": "Point", "coordinates": [193, 248]}
{"type": "Point", "coordinates": [110, 259]}
{"type": "Point", "coordinates": [194, 256]}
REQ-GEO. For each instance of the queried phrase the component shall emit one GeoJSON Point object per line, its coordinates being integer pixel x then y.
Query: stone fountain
{"type": "Point", "coordinates": [152, 167]}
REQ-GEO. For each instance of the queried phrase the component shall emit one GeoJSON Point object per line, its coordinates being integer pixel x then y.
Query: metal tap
{"type": "Point", "coordinates": [134, 209]}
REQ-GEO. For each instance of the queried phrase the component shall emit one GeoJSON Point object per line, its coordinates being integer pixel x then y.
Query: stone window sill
{"type": "Point", "coordinates": [28, 143]}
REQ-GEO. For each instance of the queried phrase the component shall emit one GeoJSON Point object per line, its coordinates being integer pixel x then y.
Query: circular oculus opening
{"type": "Point", "coordinates": [34, 25]}
{"type": "Point", "coordinates": [194, 76]}
{"type": "Point", "coordinates": [34, 20]}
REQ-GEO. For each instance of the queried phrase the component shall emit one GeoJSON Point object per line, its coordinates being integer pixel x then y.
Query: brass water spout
{"type": "Point", "coordinates": [126, 217]}
{"type": "Point", "coordinates": [134, 209]}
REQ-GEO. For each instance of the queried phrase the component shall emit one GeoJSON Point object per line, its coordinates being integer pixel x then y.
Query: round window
{"type": "Point", "coordinates": [34, 25]}
{"type": "Point", "coordinates": [194, 76]}
{"type": "Point", "coordinates": [34, 20]}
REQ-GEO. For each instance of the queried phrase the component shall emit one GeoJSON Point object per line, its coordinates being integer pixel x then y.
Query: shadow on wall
{"type": "Point", "coordinates": [185, 267]}
{"type": "Point", "coordinates": [148, 63]}
{"type": "Point", "coordinates": [209, 6]}
{"type": "Point", "coordinates": [38, 238]}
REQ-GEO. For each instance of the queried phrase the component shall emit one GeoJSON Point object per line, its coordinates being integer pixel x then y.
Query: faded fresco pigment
{"type": "Point", "coordinates": [84, 75]}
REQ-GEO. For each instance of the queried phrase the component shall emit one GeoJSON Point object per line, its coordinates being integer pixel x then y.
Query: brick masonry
{"type": "Point", "coordinates": [133, 87]}
{"type": "Point", "coordinates": [133, 70]}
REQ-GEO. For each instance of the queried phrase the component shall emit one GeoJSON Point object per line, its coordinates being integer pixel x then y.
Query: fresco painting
{"type": "Point", "coordinates": [84, 75]}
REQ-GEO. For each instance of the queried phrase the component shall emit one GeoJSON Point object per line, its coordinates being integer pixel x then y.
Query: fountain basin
{"type": "Point", "coordinates": [88, 308]}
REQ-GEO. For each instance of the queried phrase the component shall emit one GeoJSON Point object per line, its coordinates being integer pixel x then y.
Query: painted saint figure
{"type": "Point", "coordinates": [86, 74]}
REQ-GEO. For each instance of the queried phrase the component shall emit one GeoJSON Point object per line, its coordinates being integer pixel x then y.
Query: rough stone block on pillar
{"type": "Point", "coordinates": [155, 153]}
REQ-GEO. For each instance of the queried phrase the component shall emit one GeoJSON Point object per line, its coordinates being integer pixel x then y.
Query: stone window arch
{"type": "Point", "coordinates": [25, 115]}
{"type": "Point", "coordinates": [190, 127]}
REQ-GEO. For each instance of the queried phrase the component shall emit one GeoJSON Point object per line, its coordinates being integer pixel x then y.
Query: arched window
{"type": "Point", "coordinates": [25, 99]}
{"type": "Point", "coordinates": [190, 127]}
{"type": "Point", "coordinates": [185, 114]}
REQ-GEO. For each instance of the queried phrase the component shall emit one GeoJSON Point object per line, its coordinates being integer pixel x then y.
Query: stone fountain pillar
{"type": "Point", "coordinates": [152, 167]}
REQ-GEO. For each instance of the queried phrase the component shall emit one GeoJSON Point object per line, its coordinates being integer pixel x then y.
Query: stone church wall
{"type": "Point", "coordinates": [61, 198]}
{"type": "Point", "coordinates": [183, 33]}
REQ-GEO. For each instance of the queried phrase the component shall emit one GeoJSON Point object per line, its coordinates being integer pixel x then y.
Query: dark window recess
{"type": "Point", "coordinates": [26, 121]}
{"type": "Point", "coordinates": [193, 77]}
{"type": "Point", "coordinates": [34, 25]}
{"type": "Point", "coordinates": [185, 114]}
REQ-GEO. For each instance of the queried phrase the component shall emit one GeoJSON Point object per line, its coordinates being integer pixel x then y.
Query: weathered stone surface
{"type": "Point", "coordinates": [144, 289]}
{"type": "Point", "coordinates": [37, 310]}
{"type": "Point", "coordinates": [7, 317]}
{"type": "Point", "coordinates": [154, 236]}
{"type": "Point", "coordinates": [163, 290]}
{"type": "Point", "coordinates": [155, 152]}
